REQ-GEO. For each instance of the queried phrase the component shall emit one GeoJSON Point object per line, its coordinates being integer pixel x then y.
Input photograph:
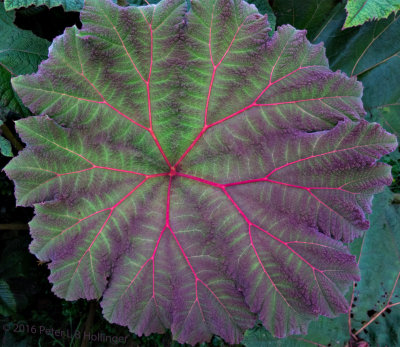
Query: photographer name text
{"type": "Point", "coordinates": [61, 333]}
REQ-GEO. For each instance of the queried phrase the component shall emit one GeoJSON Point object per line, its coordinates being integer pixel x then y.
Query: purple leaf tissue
{"type": "Point", "coordinates": [194, 173]}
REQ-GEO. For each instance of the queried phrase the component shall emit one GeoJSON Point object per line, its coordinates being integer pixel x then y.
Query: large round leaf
{"type": "Point", "coordinates": [194, 172]}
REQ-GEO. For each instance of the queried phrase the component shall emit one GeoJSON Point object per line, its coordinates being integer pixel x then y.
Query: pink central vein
{"type": "Point", "coordinates": [286, 244]}
{"type": "Point", "coordinates": [152, 258]}
{"type": "Point", "coordinates": [315, 156]}
{"type": "Point", "coordinates": [111, 209]}
{"type": "Point", "coordinates": [147, 83]}
{"type": "Point", "coordinates": [197, 279]}
{"type": "Point", "coordinates": [223, 187]}
{"type": "Point", "coordinates": [124, 47]}
{"type": "Point", "coordinates": [167, 225]}
{"type": "Point", "coordinates": [215, 67]}
{"type": "Point", "coordinates": [308, 189]}
{"type": "Point", "coordinates": [286, 184]}
{"type": "Point", "coordinates": [92, 166]}
{"type": "Point", "coordinates": [266, 179]}
{"type": "Point", "coordinates": [253, 104]}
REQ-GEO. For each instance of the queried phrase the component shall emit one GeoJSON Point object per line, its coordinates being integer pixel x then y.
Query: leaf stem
{"type": "Point", "coordinates": [388, 305]}
{"type": "Point", "coordinates": [88, 324]}
{"type": "Point", "coordinates": [10, 137]}
{"type": "Point", "coordinates": [14, 226]}
{"type": "Point", "coordinates": [396, 198]}
{"type": "Point", "coordinates": [122, 3]}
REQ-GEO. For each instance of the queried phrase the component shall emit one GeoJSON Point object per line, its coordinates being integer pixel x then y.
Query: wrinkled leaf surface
{"type": "Point", "coordinates": [375, 312]}
{"type": "Point", "coordinates": [195, 173]}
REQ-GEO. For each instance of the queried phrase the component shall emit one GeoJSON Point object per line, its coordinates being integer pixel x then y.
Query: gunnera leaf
{"type": "Point", "coordinates": [373, 318]}
{"type": "Point", "coordinates": [361, 11]}
{"type": "Point", "coordinates": [193, 172]}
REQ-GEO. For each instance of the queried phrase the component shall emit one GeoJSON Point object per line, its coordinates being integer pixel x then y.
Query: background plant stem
{"type": "Point", "coordinates": [10, 137]}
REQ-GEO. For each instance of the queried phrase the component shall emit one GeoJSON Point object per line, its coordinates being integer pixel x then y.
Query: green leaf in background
{"type": "Point", "coordinates": [389, 117]}
{"type": "Point", "coordinates": [264, 8]}
{"type": "Point", "coordinates": [378, 302]}
{"type": "Point", "coordinates": [372, 54]}
{"type": "Point", "coordinates": [324, 332]}
{"type": "Point", "coordinates": [376, 298]}
{"type": "Point", "coordinates": [69, 5]}
{"type": "Point", "coordinates": [8, 304]}
{"type": "Point", "coordinates": [361, 11]}
{"type": "Point", "coordinates": [5, 146]}
{"type": "Point", "coordinates": [306, 14]}
{"type": "Point", "coordinates": [20, 53]}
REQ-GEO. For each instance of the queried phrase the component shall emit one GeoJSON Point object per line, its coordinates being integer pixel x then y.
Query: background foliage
{"type": "Point", "coordinates": [369, 50]}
